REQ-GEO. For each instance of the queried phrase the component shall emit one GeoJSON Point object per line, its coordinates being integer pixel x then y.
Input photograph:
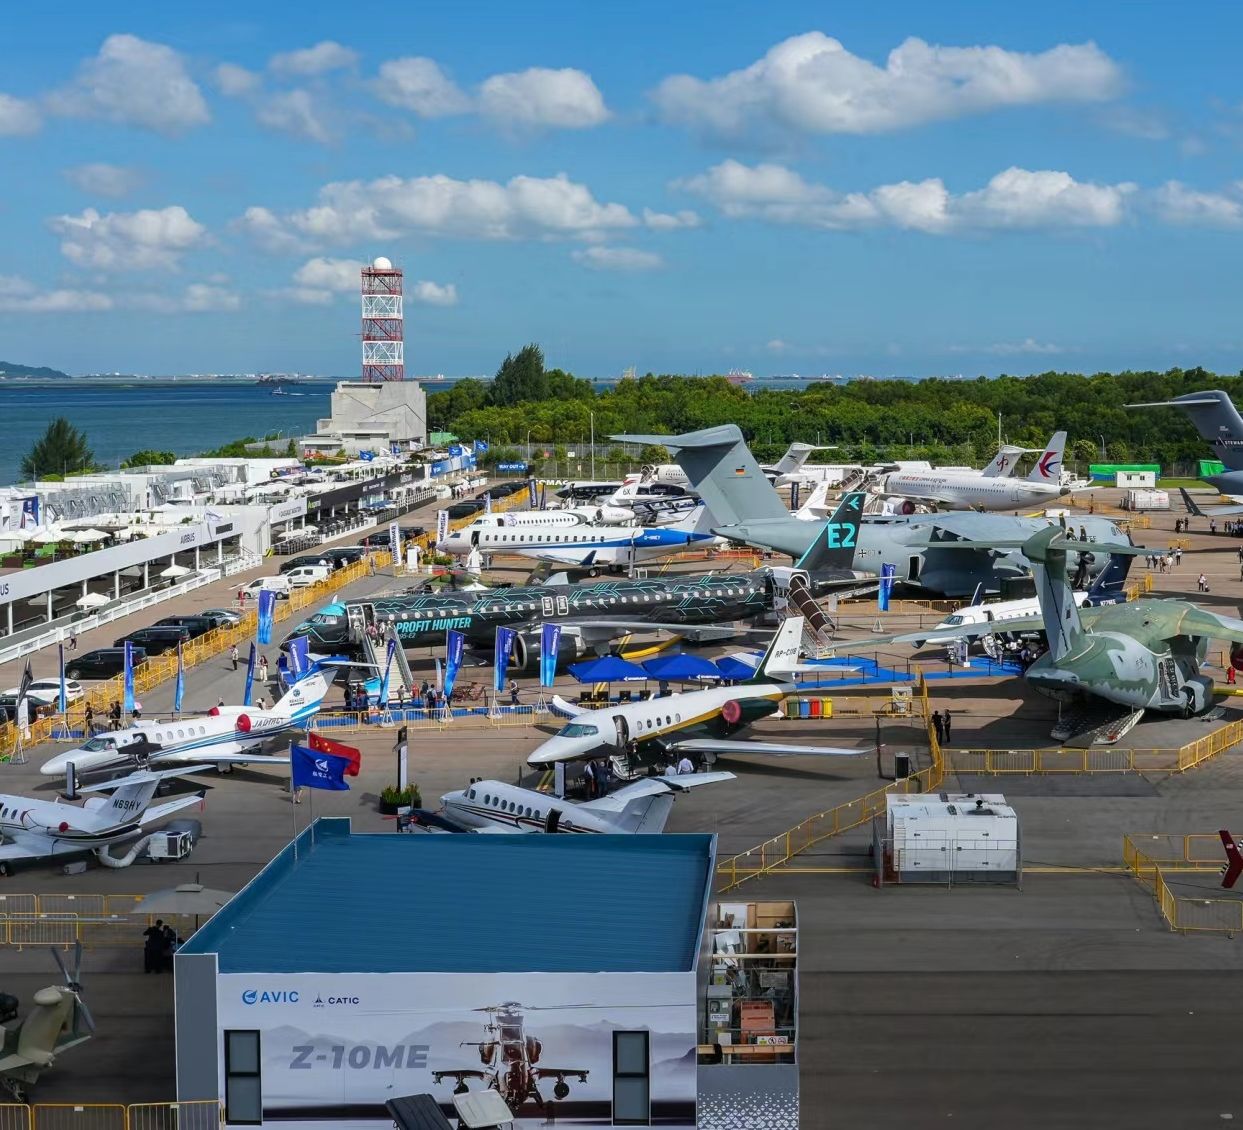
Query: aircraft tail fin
{"type": "Point", "coordinates": [303, 699]}
{"type": "Point", "coordinates": [696, 521]}
{"type": "Point", "coordinates": [1063, 626]}
{"type": "Point", "coordinates": [1003, 463]}
{"type": "Point", "coordinates": [815, 502]}
{"type": "Point", "coordinates": [1111, 580]}
{"type": "Point", "coordinates": [1048, 468]}
{"type": "Point", "coordinates": [834, 545]}
{"type": "Point", "coordinates": [781, 658]}
{"type": "Point", "coordinates": [1216, 419]}
{"type": "Point", "coordinates": [795, 456]}
{"type": "Point", "coordinates": [723, 472]}
{"type": "Point", "coordinates": [1234, 860]}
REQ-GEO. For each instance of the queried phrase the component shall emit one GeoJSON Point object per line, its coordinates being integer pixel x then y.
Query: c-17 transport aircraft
{"type": "Point", "coordinates": [1142, 655]}
{"type": "Point", "coordinates": [591, 615]}
{"type": "Point", "coordinates": [226, 736]}
{"type": "Point", "coordinates": [927, 549]}
{"type": "Point", "coordinates": [39, 829]}
{"type": "Point", "coordinates": [649, 730]}
{"type": "Point", "coordinates": [640, 808]}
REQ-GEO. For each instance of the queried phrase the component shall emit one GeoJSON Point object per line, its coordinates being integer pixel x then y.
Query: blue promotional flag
{"type": "Point", "coordinates": [886, 586]}
{"type": "Point", "coordinates": [315, 770]}
{"type": "Point", "coordinates": [128, 704]}
{"type": "Point", "coordinates": [267, 606]}
{"type": "Point", "coordinates": [480, 446]}
{"type": "Point", "coordinates": [389, 652]}
{"type": "Point", "coordinates": [179, 687]}
{"type": "Point", "coordinates": [455, 451]}
{"type": "Point", "coordinates": [62, 696]}
{"type": "Point", "coordinates": [250, 676]}
{"type": "Point", "coordinates": [455, 648]}
{"type": "Point", "coordinates": [394, 542]}
{"type": "Point", "coordinates": [504, 647]}
{"type": "Point", "coordinates": [299, 657]}
{"type": "Point", "coordinates": [549, 645]}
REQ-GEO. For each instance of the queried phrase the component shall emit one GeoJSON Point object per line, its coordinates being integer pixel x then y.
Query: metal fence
{"type": "Point", "coordinates": [206, 1115]}
{"type": "Point", "coordinates": [1159, 860]}
{"type": "Point", "coordinates": [28, 920]}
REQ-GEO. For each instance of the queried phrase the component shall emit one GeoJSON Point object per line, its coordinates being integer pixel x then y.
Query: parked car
{"type": "Point", "coordinates": [465, 509]}
{"type": "Point", "coordinates": [102, 663]}
{"type": "Point", "coordinates": [156, 641]}
{"type": "Point", "coordinates": [47, 691]}
{"type": "Point", "coordinates": [344, 555]}
{"type": "Point", "coordinates": [306, 559]}
{"type": "Point", "coordinates": [305, 575]}
{"type": "Point", "coordinates": [378, 539]}
{"type": "Point", "coordinates": [223, 617]}
{"type": "Point", "coordinates": [196, 625]}
{"type": "Point", "coordinates": [279, 584]}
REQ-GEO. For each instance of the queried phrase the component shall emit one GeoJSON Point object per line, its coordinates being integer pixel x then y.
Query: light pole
{"type": "Point", "coordinates": [529, 430]}
{"type": "Point", "coordinates": [593, 445]}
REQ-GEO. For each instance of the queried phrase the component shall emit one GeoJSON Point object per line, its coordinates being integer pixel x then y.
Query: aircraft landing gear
{"type": "Point", "coordinates": [561, 1090]}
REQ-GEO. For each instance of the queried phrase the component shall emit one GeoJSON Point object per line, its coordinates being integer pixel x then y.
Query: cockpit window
{"type": "Point", "coordinates": [326, 618]}
{"type": "Point", "coordinates": [578, 730]}
{"type": "Point", "coordinates": [95, 745]}
{"type": "Point", "coordinates": [955, 619]}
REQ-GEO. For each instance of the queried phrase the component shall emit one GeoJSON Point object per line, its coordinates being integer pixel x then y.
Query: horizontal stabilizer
{"type": "Point", "coordinates": [161, 811]}
{"type": "Point", "coordinates": [145, 777]}
{"type": "Point", "coordinates": [619, 799]}
{"type": "Point", "coordinates": [770, 749]}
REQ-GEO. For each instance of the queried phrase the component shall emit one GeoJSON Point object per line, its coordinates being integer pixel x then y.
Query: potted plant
{"type": "Point", "coordinates": [393, 798]}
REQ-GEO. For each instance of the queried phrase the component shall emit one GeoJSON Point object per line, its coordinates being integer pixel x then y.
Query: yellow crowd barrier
{"type": "Point", "coordinates": [778, 851]}
{"type": "Point", "coordinates": [206, 1115]}
{"type": "Point", "coordinates": [94, 920]}
{"type": "Point", "coordinates": [1159, 860]}
{"type": "Point", "coordinates": [417, 719]}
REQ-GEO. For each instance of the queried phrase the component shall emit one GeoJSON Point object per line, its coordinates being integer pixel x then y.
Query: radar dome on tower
{"type": "Point", "coordinates": [382, 263]}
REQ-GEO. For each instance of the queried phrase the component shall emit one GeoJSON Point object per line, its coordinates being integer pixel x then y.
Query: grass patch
{"type": "Point", "coordinates": [1188, 484]}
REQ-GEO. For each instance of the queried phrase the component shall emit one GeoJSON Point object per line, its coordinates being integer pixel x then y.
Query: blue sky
{"type": "Point", "coordinates": [791, 188]}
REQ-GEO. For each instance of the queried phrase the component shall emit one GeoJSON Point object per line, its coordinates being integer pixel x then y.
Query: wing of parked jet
{"type": "Point", "coordinates": [618, 800]}
{"type": "Point", "coordinates": [771, 749]}
{"type": "Point", "coordinates": [1201, 622]}
{"type": "Point", "coordinates": [1211, 511]}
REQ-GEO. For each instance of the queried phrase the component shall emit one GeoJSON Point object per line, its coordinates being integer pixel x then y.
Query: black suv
{"type": "Point", "coordinates": [378, 539]}
{"type": "Point", "coordinates": [464, 509]}
{"type": "Point", "coordinates": [156, 641]}
{"type": "Point", "coordinates": [322, 558]}
{"type": "Point", "coordinates": [195, 625]}
{"type": "Point", "coordinates": [102, 663]}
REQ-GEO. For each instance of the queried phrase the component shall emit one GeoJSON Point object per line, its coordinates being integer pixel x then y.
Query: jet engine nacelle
{"type": "Point", "coordinates": [899, 506]}
{"type": "Point", "coordinates": [525, 657]}
{"type": "Point", "coordinates": [739, 713]}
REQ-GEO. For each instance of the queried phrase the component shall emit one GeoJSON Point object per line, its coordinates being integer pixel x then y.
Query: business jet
{"type": "Point", "coordinates": [978, 490]}
{"type": "Point", "coordinates": [589, 547]}
{"type": "Point", "coordinates": [641, 808]}
{"type": "Point", "coordinates": [650, 729]}
{"type": "Point", "coordinates": [786, 470]}
{"type": "Point", "coordinates": [40, 829]}
{"type": "Point", "coordinates": [224, 737]}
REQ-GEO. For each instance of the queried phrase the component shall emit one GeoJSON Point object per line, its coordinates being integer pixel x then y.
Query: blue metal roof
{"type": "Point", "coordinates": [385, 902]}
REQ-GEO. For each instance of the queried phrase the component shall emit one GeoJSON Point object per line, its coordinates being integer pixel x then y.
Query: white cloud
{"type": "Point", "coordinates": [324, 274]}
{"type": "Point", "coordinates": [777, 345]}
{"type": "Point", "coordinates": [134, 82]}
{"type": "Point", "coordinates": [601, 258]}
{"type": "Point", "coordinates": [234, 81]}
{"type": "Point", "coordinates": [811, 84]}
{"type": "Point", "coordinates": [540, 97]}
{"type": "Point", "coordinates": [103, 179]}
{"type": "Point", "coordinates": [1015, 198]}
{"type": "Point", "coordinates": [128, 240]}
{"type": "Point", "coordinates": [667, 221]}
{"type": "Point", "coordinates": [359, 211]}
{"type": "Point", "coordinates": [419, 84]}
{"type": "Point", "coordinates": [1029, 345]}
{"type": "Point", "coordinates": [294, 112]}
{"type": "Point", "coordinates": [325, 56]}
{"type": "Point", "coordinates": [18, 117]}
{"type": "Point", "coordinates": [433, 294]}
{"type": "Point", "coordinates": [1177, 204]}
{"type": "Point", "coordinates": [197, 298]}
{"type": "Point", "coordinates": [17, 295]}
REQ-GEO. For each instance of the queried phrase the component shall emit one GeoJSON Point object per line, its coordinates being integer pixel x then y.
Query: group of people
{"type": "Point", "coordinates": [942, 726]}
{"type": "Point", "coordinates": [160, 942]}
{"type": "Point", "coordinates": [1164, 562]}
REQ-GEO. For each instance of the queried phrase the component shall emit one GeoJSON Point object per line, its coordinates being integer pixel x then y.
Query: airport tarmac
{"type": "Point", "coordinates": [1066, 1004]}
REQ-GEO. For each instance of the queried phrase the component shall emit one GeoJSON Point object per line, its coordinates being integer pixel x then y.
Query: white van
{"type": "Point", "coordinates": [280, 585]}
{"type": "Point", "coordinates": [305, 575]}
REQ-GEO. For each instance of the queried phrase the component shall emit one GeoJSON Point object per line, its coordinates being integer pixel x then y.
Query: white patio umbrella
{"type": "Point", "coordinates": [188, 898]}
{"type": "Point", "coordinates": [85, 537]}
{"type": "Point", "coordinates": [47, 537]}
{"type": "Point", "coordinates": [124, 533]}
{"type": "Point", "coordinates": [92, 600]}
{"type": "Point", "coordinates": [175, 571]}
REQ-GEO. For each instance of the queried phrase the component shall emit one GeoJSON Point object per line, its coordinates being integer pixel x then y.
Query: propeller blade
{"type": "Point", "coordinates": [77, 961]}
{"type": "Point", "coordinates": [60, 961]}
{"type": "Point", "coordinates": [85, 1014]}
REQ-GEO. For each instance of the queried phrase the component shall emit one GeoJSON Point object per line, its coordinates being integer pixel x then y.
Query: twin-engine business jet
{"type": "Point", "coordinates": [39, 829]}
{"type": "Point", "coordinates": [650, 729]}
{"type": "Point", "coordinates": [493, 806]}
{"type": "Point", "coordinates": [224, 737]}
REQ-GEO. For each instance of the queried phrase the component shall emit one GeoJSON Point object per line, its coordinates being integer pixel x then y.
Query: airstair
{"type": "Point", "coordinates": [373, 653]}
{"type": "Point", "coordinates": [817, 627]}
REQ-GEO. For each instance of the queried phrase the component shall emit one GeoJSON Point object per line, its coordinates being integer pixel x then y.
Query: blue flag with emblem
{"type": "Point", "coordinates": [389, 652]}
{"type": "Point", "coordinates": [62, 696]}
{"type": "Point", "coordinates": [312, 769]}
{"type": "Point", "coordinates": [455, 648]}
{"type": "Point", "coordinates": [128, 704]}
{"type": "Point", "coordinates": [267, 606]}
{"type": "Point", "coordinates": [887, 573]}
{"type": "Point", "coordinates": [504, 647]}
{"type": "Point", "coordinates": [549, 645]}
{"type": "Point", "coordinates": [299, 661]}
{"type": "Point", "coordinates": [250, 676]}
{"type": "Point", "coordinates": [480, 446]}
{"type": "Point", "coordinates": [179, 687]}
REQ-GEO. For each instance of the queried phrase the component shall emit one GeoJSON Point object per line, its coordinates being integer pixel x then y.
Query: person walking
{"type": "Point", "coordinates": [233, 656]}
{"type": "Point", "coordinates": [73, 639]}
{"type": "Point", "coordinates": [1230, 675]}
{"type": "Point", "coordinates": [153, 947]}
{"type": "Point", "coordinates": [513, 693]}
{"type": "Point", "coordinates": [88, 721]}
{"type": "Point", "coordinates": [263, 669]}
{"type": "Point", "coordinates": [589, 776]}
{"type": "Point", "coordinates": [947, 724]}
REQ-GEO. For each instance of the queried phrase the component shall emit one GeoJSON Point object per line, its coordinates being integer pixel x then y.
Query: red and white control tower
{"type": "Point", "coordinates": [384, 348]}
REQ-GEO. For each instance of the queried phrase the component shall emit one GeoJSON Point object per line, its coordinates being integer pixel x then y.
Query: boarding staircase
{"type": "Point", "coordinates": [817, 627]}
{"type": "Point", "coordinates": [1103, 723]}
{"type": "Point", "coordinates": [374, 653]}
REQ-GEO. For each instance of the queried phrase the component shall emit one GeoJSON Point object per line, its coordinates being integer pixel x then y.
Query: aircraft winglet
{"type": "Point", "coordinates": [1234, 860]}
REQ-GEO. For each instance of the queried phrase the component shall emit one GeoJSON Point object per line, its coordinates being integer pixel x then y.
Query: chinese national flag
{"type": "Point", "coordinates": [337, 749]}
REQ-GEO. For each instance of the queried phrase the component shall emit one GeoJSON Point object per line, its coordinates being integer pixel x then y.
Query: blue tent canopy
{"type": "Point", "coordinates": [735, 669]}
{"type": "Point", "coordinates": [607, 669]}
{"type": "Point", "coordinates": [681, 668]}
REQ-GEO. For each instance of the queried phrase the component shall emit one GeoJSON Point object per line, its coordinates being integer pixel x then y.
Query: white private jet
{"type": "Point", "coordinates": [493, 806]}
{"type": "Point", "coordinates": [40, 829]}
{"type": "Point", "coordinates": [225, 736]}
{"type": "Point", "coordinates": [785, 470]}
{"type": "Point", "coordinates": [649, 729]}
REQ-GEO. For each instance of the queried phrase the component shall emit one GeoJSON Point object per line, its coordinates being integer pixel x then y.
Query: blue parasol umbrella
{"type": "Point", "coordinates": [681, 668]}
{"type": "Point", "coordinates": [607, 669]}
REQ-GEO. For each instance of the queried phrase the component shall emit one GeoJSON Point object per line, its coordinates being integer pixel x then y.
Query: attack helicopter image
{"type": "Point", "coordinates": [511, 1061]}
{"type": "Point", "coordinates": [58, 1021]}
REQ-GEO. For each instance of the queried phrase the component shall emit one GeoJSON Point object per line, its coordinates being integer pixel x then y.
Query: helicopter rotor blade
{"type": "Point", "coordinates": [85, 1014]}
{"type": "Point", "coordinates": [60, 961]}
{"type": "Point", "coordinates": [77, 963]}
